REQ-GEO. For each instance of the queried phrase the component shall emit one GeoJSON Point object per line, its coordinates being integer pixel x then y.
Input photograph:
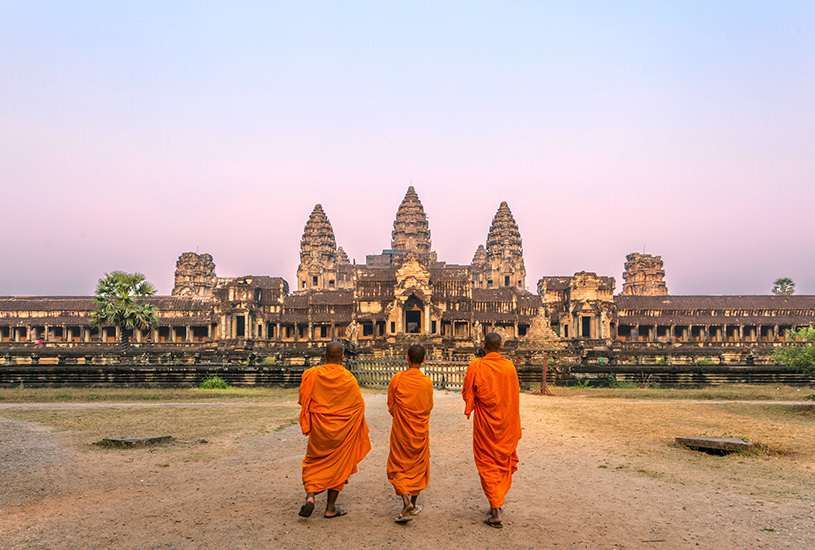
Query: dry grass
{"type": "Point", "coordinates": [221, 427]}
{"type": "Point", "coordinates": [86, 395]}
{"type": "Point", "coordinates": [729, 392]}
{"type": "Point", "coordinates": [640, 435]}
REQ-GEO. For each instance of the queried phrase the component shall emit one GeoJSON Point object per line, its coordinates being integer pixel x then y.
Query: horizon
{"type": "Point", "coordinates": [137, 132]}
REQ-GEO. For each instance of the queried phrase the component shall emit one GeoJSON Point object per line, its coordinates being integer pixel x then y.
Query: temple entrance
{"type": "Point", "coordinates": [413, 315]}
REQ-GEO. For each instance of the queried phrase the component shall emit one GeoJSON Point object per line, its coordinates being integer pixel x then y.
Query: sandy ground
{"type": "Point", "coordinates": [567, 494]}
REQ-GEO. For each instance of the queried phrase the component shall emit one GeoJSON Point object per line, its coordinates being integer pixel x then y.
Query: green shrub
{"type": "Point", "coordinates": [705, 361]}
{"type": "Point", "coordinates": [213, 383]}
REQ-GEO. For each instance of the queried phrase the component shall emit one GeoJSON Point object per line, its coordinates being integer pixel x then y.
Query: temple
{"type": "Point", "coordinates": [406, 294]}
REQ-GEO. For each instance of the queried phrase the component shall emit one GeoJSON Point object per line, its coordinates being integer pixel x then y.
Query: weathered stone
{"type": "Point", "coordinates": [644, 276]}
{"type": "Point", "coordinates": [136, 441]}
{"type": "Point", "coordinates": [717, 444]}
{"type": "Point", "coordinates": [194, 275]}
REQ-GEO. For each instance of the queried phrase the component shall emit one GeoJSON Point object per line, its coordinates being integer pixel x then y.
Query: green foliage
{"type": "Point", "coordinates": [660, 361]}
{"type": "Point", "coordinates": [269, 360]}
{"type": "Point", "coordinates": [583, 384]}
{"type": "Point", "coordinates": [119, 300]}
{"type": "Point", "coordinates": [212, 382]}
{"type": "Point", "coordinates": [801, 355]}
{"type": "Point", "coordinates": [705, 361]}
{"type": "Point", "coordinates": [783, 286]}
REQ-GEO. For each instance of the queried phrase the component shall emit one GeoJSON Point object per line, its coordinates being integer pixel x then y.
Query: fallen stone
{"type": "Point", "coordinates": [135, 441]}
{"type": "Point", "coordinates": [720, 445]}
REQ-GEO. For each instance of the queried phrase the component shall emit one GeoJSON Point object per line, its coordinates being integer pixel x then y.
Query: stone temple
{"type": "Point", "coordinates": [406, 294]}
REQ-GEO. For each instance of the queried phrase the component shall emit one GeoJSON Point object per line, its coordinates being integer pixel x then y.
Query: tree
{"type": "Point", "coordinates": [784, 286]}
{"type": "Point", "coordinates": [119, 299]}
{"type": "Point", "coordinates": [801, 355]}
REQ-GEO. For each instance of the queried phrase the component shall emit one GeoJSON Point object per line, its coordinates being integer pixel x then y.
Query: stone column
{"type": "Point", "coordinates": [277, 334]}
{"type": "Point", "coordinates": [741, 333]}
{"type": "Point", "coordinates": [118, 334]}
{"type": "Point", "coordinates": [234, 327]}
{"type": "Point", "coordinates": [189, 333]}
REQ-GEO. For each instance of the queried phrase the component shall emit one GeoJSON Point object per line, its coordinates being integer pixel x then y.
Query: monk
{"type": "Point", "coordinates": [333, 418]}
{"type": "Point", "coordinates": [492, 393]}
{"type": "Point", "coordinates": [410, 400]}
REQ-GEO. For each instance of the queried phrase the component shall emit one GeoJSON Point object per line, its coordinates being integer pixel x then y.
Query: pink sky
{"type": "Point", "coordinates": [133, 133]}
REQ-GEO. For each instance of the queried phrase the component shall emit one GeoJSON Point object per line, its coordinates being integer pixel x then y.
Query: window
{"type": "Point", "coordinates": [433, 327]}
{"type": "Point", "coordinates": [393, 327]}
{"type": "Point", "coordinates": [314, 280]}
{"type": "Point", "coordinates": [331, 283]}
{"type": "Point", "coordinates": [367, 329]}
{"type": "Point", "coordinates": [303, 285]}
{"type": "Point", "coordinates": [506, 280]}
{"type": "Point", "coordinates": [323, 331]}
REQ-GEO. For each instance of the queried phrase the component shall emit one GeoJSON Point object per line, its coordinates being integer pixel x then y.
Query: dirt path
{"type": "Point", "coordinates": [565, 495]}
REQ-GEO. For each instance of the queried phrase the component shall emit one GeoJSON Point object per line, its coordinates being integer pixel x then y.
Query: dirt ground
{"type": "Point", "coordinates": [574, 489]}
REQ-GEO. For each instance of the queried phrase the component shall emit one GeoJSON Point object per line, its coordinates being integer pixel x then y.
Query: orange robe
{"type": "Point", "coordinates": [333, 418]}
{"type": "Point", "coordinates": [410, 400]}
{"type": "Point", "coordinates": [492, 393]}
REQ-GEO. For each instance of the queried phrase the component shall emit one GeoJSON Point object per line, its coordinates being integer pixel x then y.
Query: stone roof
{"type": "Point", "coordinates": [668, 319]}
{"type": "Point", "coordinates": [86, 303]}
{"type": "Point", "coordinates": [410, 228]}
{"type": "Point", "coordinates": [734, 302]}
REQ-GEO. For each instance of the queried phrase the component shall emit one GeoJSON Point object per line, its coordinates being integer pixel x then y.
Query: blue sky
{"type": "Point", "coordinates": [135, 131]}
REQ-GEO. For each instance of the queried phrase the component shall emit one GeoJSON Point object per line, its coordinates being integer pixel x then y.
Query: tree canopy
{"type": "Point", "coordinates": [784, 286]}
{"type": "Point", "coordinates": [119, 299]}
{"type": "Point", "coordinates": [800, 356]}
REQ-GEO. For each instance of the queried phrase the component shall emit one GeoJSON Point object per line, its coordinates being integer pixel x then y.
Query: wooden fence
{"type": "Point", "coordinates": [378, 373]}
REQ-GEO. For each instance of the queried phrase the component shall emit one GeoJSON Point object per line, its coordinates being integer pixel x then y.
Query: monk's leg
{"type": "Point", "coordinates": [407, 506]}
{"type": "Point", "coordinates": [416, 507]}
{"type": "Point", "coordinates": [495, 517]}
{"type": "Point", "coordinates": [331, 508]}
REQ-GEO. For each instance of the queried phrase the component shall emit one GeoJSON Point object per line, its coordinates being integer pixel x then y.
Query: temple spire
{"type": "Point", "coordinates": [322, 265]}
{"type": "Point", "coordinates": [411, 231]}
{"type": "Point", "coordinates": [503, 265]}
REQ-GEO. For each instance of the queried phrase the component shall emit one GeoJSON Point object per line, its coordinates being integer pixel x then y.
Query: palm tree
{"type": "Point", "coordinates": [119, 299]}
{"type": "Point", "coordinates": [784, 286]}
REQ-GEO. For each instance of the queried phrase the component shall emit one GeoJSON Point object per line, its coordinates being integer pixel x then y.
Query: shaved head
{"type": "Point", "coordinates": [492, 342]}
{"type": "Point", "coordinates": [334, 352]}
{"type": "Point", "coordinates": [415, 354]}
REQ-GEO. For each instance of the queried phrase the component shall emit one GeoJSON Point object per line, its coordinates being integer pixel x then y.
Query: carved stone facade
{"type": "Point", "coordinates": [581, 306]}
{"type": "Point", "coordinates": [405, 294]}
{"type": "Point", "coordinates": [194, 275]}
{"type": "Point", "coordinates": [501, 264]}
{"type": "Point", "coordinates": [644, 276]}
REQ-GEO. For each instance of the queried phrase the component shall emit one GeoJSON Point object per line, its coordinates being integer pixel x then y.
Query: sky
{"type": "Point", "coordinates": [135, 131]}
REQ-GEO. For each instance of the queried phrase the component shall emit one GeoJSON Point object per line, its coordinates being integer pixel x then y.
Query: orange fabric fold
{"type": "Point", "coordinates": [332, 415]}
{"type": "Point", "coordinates": [492, 394]}
{"type": "Point", "coordinates": [410, 400]}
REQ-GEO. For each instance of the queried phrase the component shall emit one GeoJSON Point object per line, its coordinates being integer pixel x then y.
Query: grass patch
{"type": "Point", "coordinates": [213, 382]}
